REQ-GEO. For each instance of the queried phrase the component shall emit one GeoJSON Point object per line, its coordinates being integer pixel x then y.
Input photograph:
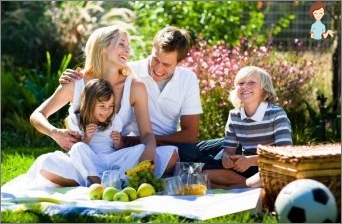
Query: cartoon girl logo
{"type": "Point", "coordinates": [317, 11]}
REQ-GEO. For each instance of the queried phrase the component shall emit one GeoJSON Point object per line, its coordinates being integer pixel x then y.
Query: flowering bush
{"type": "Point", "coordinates": [216, 67]}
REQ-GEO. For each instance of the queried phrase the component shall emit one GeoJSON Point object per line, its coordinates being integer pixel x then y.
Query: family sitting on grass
{"type": "Point", "coordinates": [151, 110]}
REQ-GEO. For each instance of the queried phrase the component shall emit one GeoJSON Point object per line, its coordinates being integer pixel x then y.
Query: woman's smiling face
{"type": "Point", "coordinates": [318, 14]}
{"type": "Point", "coordinates": [118, 51]}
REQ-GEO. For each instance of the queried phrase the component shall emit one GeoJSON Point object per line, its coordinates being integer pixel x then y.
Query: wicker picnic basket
{"type": "Point", "coordinates": [281, 165]}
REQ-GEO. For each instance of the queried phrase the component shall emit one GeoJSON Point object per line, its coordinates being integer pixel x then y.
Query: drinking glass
{"type": "Point", "coordinates": [206, 179]}
{"type": "Point", "coordinates": [197, 184]}
{"type": "Point", "coordinates": [111, 178]}
{"type": "Point", "coordinates": [188, 167]}
{"type": "Point", "coordinates": [173, 186]}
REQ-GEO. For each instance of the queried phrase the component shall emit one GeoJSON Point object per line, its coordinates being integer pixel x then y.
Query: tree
{"type": "Point", "coordinates": [30, 29]}
{"type": "Point", "coordinates": [335, 13]}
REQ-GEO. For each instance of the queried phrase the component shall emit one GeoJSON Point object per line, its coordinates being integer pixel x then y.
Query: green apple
{"type": "Point", "coordinates": [95, 191]}
{"type": "Point", "coordinates": [121, 196]}
{"type": "Point", "coordinates": [109, 192]}
{"type": "Point", "coordinates": [145, 190]}
{"type": "Point", "coordinates": [131, 192]}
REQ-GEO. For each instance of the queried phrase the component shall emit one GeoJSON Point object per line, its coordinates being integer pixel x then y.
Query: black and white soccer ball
{"type": "Point", "coordinates": [305, 200]}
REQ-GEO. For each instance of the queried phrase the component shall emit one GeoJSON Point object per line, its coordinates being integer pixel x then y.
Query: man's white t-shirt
{"type": "Point", "coordinates": [181, 96]}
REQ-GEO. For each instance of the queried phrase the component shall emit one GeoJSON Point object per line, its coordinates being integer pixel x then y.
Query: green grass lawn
{"type": "Point", "coordinates": [16, 161]}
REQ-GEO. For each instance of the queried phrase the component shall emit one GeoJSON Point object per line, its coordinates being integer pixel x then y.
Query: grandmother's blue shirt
{"type": "Point", "coordinates": [317, 29]}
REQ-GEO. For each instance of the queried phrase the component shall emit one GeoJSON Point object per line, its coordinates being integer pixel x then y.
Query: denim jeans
{"type": "Point", "coordinates": [188, 152]}
{"type": "Point", "coordinates": [210, 147]}
{"type": "Point", "coordinates": [204, 151]}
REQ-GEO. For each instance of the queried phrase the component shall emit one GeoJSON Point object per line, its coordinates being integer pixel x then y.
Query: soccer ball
{"type": "Point", "coordinates": [305, 200]}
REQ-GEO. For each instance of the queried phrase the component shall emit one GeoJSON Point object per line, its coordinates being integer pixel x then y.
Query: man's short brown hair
{"type": "Point", "coordinates": [171, 39]}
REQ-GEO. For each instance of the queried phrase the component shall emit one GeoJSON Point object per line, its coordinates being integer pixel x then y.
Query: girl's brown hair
{"type": "Point", "coordinates": [96, 90]}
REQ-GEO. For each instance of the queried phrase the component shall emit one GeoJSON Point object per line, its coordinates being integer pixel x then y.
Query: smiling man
{"type": "Point", "coordinates": [173, 93]}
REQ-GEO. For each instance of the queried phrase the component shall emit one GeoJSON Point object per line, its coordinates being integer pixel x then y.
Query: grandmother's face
{"type": "Point", "coordinates": [318, 14]}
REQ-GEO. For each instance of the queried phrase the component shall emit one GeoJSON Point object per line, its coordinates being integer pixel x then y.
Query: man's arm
{"type": "Point", "coordinates": [189, 129]}
{"type": "Point", "coordinates": [188, 133]}
{"type": "Point", "coordinates": [70, 75]}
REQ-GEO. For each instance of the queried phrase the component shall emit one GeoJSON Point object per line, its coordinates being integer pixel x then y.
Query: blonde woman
{"type": "Point", "coordinates": [106, 54]}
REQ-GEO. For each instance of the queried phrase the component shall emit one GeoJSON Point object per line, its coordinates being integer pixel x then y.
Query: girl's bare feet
{"type": "Point", "coordinates": [94, 179]}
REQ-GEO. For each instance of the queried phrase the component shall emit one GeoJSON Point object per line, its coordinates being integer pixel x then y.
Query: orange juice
{"type": "Point", "coordinates": [194, 189]}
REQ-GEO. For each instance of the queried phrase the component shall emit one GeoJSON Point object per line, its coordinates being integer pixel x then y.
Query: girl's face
{"type": "Point", "coordinates": [318, 14]}
{"type": "Point", "coordinates": [103, 110]}
{"type": "Point", "coordinates": [118, 53]}
{"type": "Point", "coordinates": [249, 89]}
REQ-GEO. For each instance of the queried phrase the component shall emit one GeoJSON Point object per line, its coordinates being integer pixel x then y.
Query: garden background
{"type": "Point", "coordinates": [39, 40]}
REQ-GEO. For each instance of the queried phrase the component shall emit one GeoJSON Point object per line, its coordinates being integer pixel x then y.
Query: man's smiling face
{"type": "Point", "coordinates": [162, 64]}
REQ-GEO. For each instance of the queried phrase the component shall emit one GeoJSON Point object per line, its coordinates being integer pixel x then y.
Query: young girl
{"type": "Point", "coordinates": [100, 130]}
{"type": "Point", "coordinates": [255, 120]}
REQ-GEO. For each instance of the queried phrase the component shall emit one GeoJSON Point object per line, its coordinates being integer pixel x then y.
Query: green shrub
{"type": "Point", "coordinates": [26, 91]}
{"type": "Point", "coordinates": [26, 33]}
{"type": "Point", "coordinates": [212, 21]}
{"type": "Point", "coordinates": [60, 27]}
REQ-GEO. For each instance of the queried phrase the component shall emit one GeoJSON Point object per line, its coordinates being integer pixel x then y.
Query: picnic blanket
{"type": "Point", "coordinates": [71, 200]}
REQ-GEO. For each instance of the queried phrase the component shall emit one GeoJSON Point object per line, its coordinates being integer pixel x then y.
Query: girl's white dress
{"type": "Point", "coordinates": [87, 160]}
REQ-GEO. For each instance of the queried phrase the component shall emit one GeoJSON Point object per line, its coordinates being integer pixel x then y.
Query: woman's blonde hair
{"type": "Point", "coordinates": [97, 41]}
{"type": "Point", "coordinates": [269, 93]}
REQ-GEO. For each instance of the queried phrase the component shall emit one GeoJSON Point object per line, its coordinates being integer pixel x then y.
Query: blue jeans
{"type": "Point", "coordinates": [202, 149]}
{"type": "Point", "coordinates": [210, 147]}
{"type": "Point", "coordinates": [188, 152]}
{"type": "Point", "coordinates": [191, 153]}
